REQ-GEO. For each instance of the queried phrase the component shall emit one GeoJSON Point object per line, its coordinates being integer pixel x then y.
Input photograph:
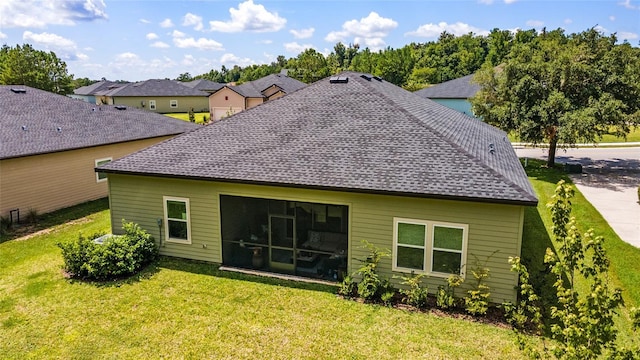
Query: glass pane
{"type": "Point", "coordinates": [102, 162]}
{"type": "Point", "coordinates": [176, 210]}
{"type": "Point", "coordinates": [447, 238]}
{"type": "Point", "coordinates": [177, 230]}
{"type": "Point", "coordinates": [282, 256]}
{"type": "Point", "coordinates": [411, 234]}
{"type": "Point", "coordinates": [410, 258]}
{"type": "Point", "coordinates": [446, 262]}
{"type": "Point", "coordinates": [102, 176]}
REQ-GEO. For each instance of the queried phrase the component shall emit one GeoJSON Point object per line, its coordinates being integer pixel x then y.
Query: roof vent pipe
{"type": "Point", "coordinates": [24, 127]}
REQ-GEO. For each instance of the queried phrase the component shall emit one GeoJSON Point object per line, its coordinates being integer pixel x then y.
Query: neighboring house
{"type": "Point", "coordinates": [88, 93]}
{"type": "Point", "coordinates": [160, 96]}
{"type": "Point", "coordinates": [50, 145]}
{"type": "Point", "coordinates": [231, 99]}
{"type": "Point", "coordinates": [295, 185]}
{"type": "Point", "coordinates": [454, 94]}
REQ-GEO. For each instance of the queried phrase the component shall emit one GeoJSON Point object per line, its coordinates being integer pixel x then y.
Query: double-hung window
{"type": "Point", "coordinates": [434, 248]}
{"type": "Point", "coordinates": [177, 220]}
{"type": "Point", "coordinates": [173, 103]}
{"type": "Point", "coordinates": [152, 104]}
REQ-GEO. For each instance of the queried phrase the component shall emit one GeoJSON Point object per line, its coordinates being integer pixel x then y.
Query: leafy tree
{"type": "Point", "coordinates": [23, 65]}
{"type": "Point", "coordinates": [560, 89]}
{"type": "Point", "coordinates": [310, 66]}
{"type": "Point", "coordinates": [184, 77]}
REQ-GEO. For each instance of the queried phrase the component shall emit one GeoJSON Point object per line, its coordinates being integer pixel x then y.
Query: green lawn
{"type": "Point", "coordinates": [183, 309]}
{"type": "Point", "coordinates": [633, 136]}
{"type": "Point", "coordinates": [185, 116]}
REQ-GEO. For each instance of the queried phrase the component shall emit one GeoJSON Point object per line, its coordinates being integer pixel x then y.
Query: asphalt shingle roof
{"type": "Point", "coordinates": [80, 124]}
{"type": "Point", "coordinates": [97, 87]}
{"type": "Point", "coordinates": [254, 88]}
{"type": "Point", "coordinates": [155, 87]}
{"type": "Point", "coordinates": [461, 88]}
{"type": "Point", "coordinates": [363, 135]}
{"type": "Point", "coordinates": [204, 85]}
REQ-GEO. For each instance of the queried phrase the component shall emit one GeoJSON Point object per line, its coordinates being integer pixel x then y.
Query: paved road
{"type": "Point", "coordinates": [609, 180]}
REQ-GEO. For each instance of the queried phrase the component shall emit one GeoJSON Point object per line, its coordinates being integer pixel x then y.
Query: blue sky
{"type": "Point", "coordinates": [142, 39]}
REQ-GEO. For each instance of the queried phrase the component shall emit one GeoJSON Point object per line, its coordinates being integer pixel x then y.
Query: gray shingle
{"type": "Point", "coordinates": [461, 88]}
{"type": "Point", "coordinates": [255, 88]}
{"type": "Point", "coordinates": [204, 85]}
{"type": "Point", "coordinates": [363, 135]}
{"type": "Point", "coordinates": [81, 124]}
{"type": "Point", "coordinates": [155, 87]}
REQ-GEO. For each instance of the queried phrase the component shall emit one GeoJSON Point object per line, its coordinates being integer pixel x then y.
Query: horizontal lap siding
{"type": "Point", "coordinates": [491, 226]}
{"type": "Point", "coordinates": [52, 181]}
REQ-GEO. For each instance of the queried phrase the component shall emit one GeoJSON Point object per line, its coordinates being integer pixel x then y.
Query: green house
{"type": "Point", "coordinates": [294, 186]}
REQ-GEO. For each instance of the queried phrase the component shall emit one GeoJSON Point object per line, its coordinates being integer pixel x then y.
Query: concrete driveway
{"type": "Point", "coordinates": [609, 180]}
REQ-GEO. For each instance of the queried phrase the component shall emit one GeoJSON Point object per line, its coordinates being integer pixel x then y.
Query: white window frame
{"type": "Point", "coordinates": [166, 220]}
{"type": "Point", "coordinates": [99, 162]}
{"type": "Point", "coordinates": [152, 104]}
{"type": "Point", "coordinates": [173, 104]}
{"type": "Point", "coordinates": [429, 246]}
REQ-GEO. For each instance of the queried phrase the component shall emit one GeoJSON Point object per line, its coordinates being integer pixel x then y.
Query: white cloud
{"type": "Point", "coordinates": [230, 59]}
{"type": "Point", "coordinates": [294, 47]}
{"type": "Point", "coordinates": [486, 2]}
{"type": "Point", "coordinates": [434, 30]}
{"type": "Point", "coordinates": [49, 40]}
{"type": "Point", "coordinates": [601, 29]}
{"type": "Point", "coordinates": [3, 35]}
{"type": "Point", "coordinates": [166, 23]}
{"type": "Point", "coordinates": [39, 14]}
{"type": "Point", "coordinates": [188, 60]}
{"type": "Point", "coordinates": [369, 31]}
{"type": "Point", "coordinates": [568, 21]}
{"type": "Point", "coordinates": [82, 57]}
{"type": "Point", "coordinates": [145, 21]}
{"type": "Point", "coordinates": [193, 20]}
{"type": "Point", "coordinates": [182, 41]}
{"type": "Point", "coordinates": [302, 33]}
{"type": "Point", "coordinates": [152, 36]}
{"type": "Point", "coordinates": [266, 42]}
{"type": "Point", "coordinates": [144, 69]}
{"type": "Point", "coordinates": [627, 4]}
{"type": "Point", "coordinates": [509, 1]}
{"type": "Point", "coordinates": [160, 45]}
{"type": "Point", "coordinates": [624, 35]}
{"type": "Point", "coordinates": [535, 23]}
{"type": "Point", "coordinates": [612, 18]}
{"type": "Point", "coordinates": [249, 17]}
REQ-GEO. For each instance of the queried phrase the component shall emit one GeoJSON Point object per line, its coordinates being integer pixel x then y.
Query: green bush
{"type": "Point", "coordinates": [117, 256]}
{"type": "Point", "coordinates": [416, 294]}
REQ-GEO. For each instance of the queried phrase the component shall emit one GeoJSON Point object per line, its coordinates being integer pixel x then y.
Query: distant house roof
{"type": "Point", "coordinates": [461, 88]}
{"type": "Point", "coordinates": [97, 87]}
{"type": "Point", "coordinates": [155, 87]}
{"type": "Point", "coordinates": [255, 88]}
{"type": "Point", "coordinates": [36, 122]}
{"type": "Point", "coordinates": [362, 134]}
{"type": "Point", "coordinates": [204, 85]}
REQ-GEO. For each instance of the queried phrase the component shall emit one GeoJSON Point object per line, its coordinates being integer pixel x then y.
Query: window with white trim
{"type": "Point", "coordinates": [177, 220]}
{"type": "Point", "coordinates": [100, 176]}
{"type": "Point", "coordinates": [152, 104]}
{"type": "Point", "coordinates": [434, 248]}
{"type": "Point", "coordinates": [173, 103]}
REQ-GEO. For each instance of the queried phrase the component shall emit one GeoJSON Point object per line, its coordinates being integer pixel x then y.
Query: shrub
{"type": "Point", "coordinates": [347, 287]}
{"type": "Point", "coordinates": [416, 294]}
{"type": "Point", "coordinates": [117, 256]}
{"type": "Point", "coordinates": [445, 297]}
{"type": "Point", "coordinates": [372, 287]}
{"type": "Point", "coordinates": [477, 300]}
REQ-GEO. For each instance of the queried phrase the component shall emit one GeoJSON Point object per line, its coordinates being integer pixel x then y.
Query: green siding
{"type": "Point", "coordinates": [491, 226]}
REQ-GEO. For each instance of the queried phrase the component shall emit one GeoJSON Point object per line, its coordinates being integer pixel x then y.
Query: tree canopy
{"type": "Point", "coordinates": [23, 65]}
{"type": "Point", "coordinates": [562, 89]}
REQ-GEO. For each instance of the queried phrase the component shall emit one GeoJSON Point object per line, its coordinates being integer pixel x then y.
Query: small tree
{"type": "Point", "coordinates": [192, 116]}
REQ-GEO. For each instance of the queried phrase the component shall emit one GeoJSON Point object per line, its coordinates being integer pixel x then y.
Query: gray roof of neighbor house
{"type": "Point", "coordinates": [155, 87]}
{"type": "Point", "coordinates": [97, 87]}
{"type": "Point", "coordinates": [364, 135]}
{"type": "Point", "coordinates": [204, 85]}
{"type": "Point", "coordinates": [37, 122]}
{"type": "Point", "coordinates": [255, 88]}
{"type": "Point", "coordinates": [461, 88]}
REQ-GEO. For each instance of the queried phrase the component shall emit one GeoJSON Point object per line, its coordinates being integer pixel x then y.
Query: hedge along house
{"type": "Point", "coordinates": [294, 185]}
{"type": "Point", "coordinates": [50, 145]}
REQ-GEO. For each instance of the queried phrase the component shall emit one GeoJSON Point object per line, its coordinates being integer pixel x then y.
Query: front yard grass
{"type": "Point", "coordinates": [184, 309]}
{"type": "Point", "coordinates": [185, 116]}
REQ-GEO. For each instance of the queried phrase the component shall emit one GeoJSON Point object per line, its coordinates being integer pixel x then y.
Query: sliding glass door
{"type": "Point", "coordinates": [282, 236]}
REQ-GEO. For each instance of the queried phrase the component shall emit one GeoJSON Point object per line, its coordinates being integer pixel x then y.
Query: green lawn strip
{"type": "Point", "coordinates": [183, 309]}
{"type": "Point", "coordinates": [625, 258]}
{"type": "Point", "coordinates": [185, 116]}
{"type": "Point", "coordinates": [633, 136]}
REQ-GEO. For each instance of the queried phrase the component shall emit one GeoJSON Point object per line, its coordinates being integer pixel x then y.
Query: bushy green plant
{"type": "Point", "coordinates": [371, 286]}
{"type": "Point", "coordinates": [117, 256]}
{"type": "Point", "coordinates": [446, 297]}
{"type": "Point", "coordinates": [477, 300]}
{"type": "Point", "coordinates": [416, 294]}
{"type": "Point", "coordinates": [347, 287]}
{"type": "Point", "coordinates": [525, 313]}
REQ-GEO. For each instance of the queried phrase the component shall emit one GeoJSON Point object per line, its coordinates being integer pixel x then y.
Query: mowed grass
{"type": "Point", "coordinates": [185, 116]}
{"type": "Point", "coordinates": [624, 258]}
{"type": "Point", "coordinates": [183, 309]}
{"type": "Point", "coordinates": [633, 136]}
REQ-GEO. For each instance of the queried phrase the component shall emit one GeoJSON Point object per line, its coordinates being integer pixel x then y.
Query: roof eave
{"type": "Point", "coordinates": [533, 202]}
